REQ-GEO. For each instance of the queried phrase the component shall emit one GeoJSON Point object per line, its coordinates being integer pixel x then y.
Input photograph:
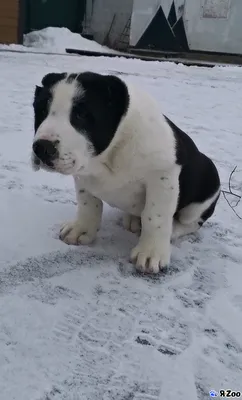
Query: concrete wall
{"type": "Point", "coordinates": [215, 27]}
{"type": "Point", "coordinates": [99, 17]}
{"type": "Point", "coordinates": [209, 25]}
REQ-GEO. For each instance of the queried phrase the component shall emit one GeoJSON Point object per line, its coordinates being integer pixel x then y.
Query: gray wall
{"type": "Point", "coordinates": [220, 30]}
{"type": "Point", "coordinates": [100, 14]}
{"type": "Point", "coordinates": [210, 25]}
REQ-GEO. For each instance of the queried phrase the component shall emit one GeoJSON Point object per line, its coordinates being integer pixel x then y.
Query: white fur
{"type": "Point", "coordinates": [83, 229]}
{"type": "Point", "coordinates": [153, 249]}
{"type": "Point", "coordinates": [137, 173]}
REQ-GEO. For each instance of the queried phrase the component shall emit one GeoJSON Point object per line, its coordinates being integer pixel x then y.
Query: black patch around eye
{"type": "Point", "coordinates": [81, 117]}
{"type": "Point", "coordinates": [42, 99]}
{"type": "Point", "coordinates": [98, 112]}
{"type": "Point", "coordinates": [79, 111]}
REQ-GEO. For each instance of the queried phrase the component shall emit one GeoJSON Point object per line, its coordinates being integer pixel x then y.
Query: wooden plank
{"type": "Point", "coordinates": [10, 22]}
{"type": "Point", "coordinates": [7, 35]}
{"type": "Point", "coordinates": [8, 14]}
{"type": "Point", "coordinates": [11, 5]}
{"type": "Point", "coordinates": [5, 29]}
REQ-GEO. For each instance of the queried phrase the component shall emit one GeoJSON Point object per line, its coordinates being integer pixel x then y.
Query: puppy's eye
{"type": "Point", "coordinates": [81, 112]}
{"type": "Point", "coordinates": [79, 115]}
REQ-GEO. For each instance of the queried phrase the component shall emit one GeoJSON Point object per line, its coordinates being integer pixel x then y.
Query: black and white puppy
{"type": "Point", "coordinates": [120, 149]}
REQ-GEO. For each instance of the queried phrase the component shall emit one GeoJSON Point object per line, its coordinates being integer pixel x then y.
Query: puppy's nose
{"type": "Point", "coordinates": [46, 150]}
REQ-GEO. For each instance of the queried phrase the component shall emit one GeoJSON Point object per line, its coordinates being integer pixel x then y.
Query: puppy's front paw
{"type": "Point", "coordinates": [132, 223]}
{"type": "Point", "coordinates": [149, 257]}
{"type": "Point", "coordinates": [77, 233]}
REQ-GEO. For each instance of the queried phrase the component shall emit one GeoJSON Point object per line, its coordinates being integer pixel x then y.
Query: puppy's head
{"type": "Point", "coordinates": [75, 119]}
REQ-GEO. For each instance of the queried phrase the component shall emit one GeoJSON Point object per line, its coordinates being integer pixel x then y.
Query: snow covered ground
{"type": "Point", "coordinates": [55, 40]}
{"type": "Point", "coordinates": [78, 323]}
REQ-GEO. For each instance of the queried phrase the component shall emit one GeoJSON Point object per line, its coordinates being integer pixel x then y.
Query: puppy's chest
{"type": "Point", "coordinates": [118, 192]}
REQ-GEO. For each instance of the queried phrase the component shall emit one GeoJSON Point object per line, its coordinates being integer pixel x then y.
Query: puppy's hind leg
{"type": "Point", "coordinates": [192, 217]}
{"type": "Point", "coordinates": [132, 223]}
{"type": "Point", "coordinates": [182, 229]}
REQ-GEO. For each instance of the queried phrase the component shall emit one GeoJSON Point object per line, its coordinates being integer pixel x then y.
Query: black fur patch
{"type": "Point", "coordinates": [100, 109]}
{"type": "Point", "coordinates": [210, 210]}
{"type": "Point", "coordinates": [52, 78]}
{"type": "Point", "coordinates": [42, 99]}
{"type": "Point", "coordinates": [199, 178]}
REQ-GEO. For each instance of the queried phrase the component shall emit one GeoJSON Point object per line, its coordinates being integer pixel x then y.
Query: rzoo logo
{"type": "Point", "coordinates": [226, 394]}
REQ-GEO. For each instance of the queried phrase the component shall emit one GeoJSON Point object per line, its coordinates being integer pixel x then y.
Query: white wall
{"type": "Point", "coordinates": [222, 32]}
{"type": "Point", "coordinates": [214, 34]}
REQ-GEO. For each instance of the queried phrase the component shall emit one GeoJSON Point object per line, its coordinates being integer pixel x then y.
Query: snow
{"type": "Point", "coordinates": [79, 323]}
{"type": "Point", "coordinates": [55, 40]}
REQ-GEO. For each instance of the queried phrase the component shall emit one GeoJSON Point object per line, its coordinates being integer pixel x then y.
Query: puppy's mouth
{"type": "Point", "coordinates": [37, 164]}
{"type": "Point", "coordinates": [63, 166]}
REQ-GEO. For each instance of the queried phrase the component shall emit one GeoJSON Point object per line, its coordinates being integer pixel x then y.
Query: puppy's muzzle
{"type": "Point", "coordinates": [46, 151]}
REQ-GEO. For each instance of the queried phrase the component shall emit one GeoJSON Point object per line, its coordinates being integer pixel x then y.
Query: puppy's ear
{"type": "Point", "coordinates": [37, 93]}
{"type": "Point", "coordinates": [116, 91]}
{"type": "Point", "coordinates": [38, 90]}
{"type": "Point", "coordinates": [111, 90]}
{"type": "Point", "coordinates": [52, 78]}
